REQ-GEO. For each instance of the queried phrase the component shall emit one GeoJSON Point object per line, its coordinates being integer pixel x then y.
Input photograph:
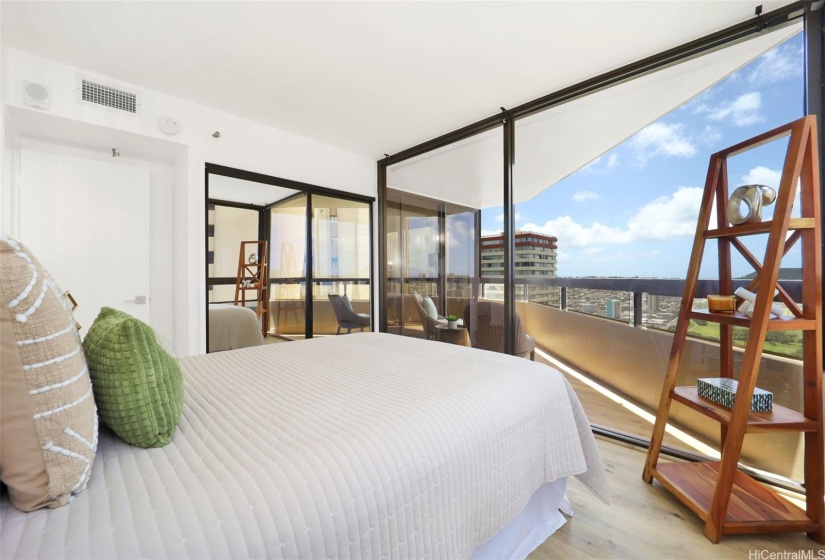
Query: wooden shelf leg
{"type": "Point", "coordinates": [664, 405]}
{"type": "Point", "coordinates": [714, 175]}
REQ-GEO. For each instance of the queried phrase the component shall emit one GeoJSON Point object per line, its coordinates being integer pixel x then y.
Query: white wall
{"type": "Point", "coordinates": [243, 144]}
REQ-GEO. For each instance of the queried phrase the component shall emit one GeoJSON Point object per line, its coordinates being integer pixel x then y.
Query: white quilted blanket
{"type": "Point", "coordinates": [360, 446]}
{"type": "Point", "coordinates": [232, 327]}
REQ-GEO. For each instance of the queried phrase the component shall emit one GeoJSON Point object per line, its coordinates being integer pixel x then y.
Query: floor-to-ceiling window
{"type": "Point", "coordinates": [341, 234]}
{"type": "Point", "coordinates": [628, 211]}
{"type": "Point", "coordinates": [414, 251]}
{"type": "Point", "coordinates": [598, 254]}
{"type": "Point", "coordinates": [434, 204]}
{"type": "Point", "coordinates": [318, 245]}
{"type": "Point", "coordinates": [288, 266]}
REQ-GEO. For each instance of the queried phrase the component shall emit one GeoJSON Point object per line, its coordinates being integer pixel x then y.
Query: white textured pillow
{"type": "Point", "coordinates": [48, 420]}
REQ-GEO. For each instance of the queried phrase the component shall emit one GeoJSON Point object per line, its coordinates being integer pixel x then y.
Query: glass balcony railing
{"type": "Point", "coordinates": [619, 331]}
{"type": "Point", "coordinates": [651, 303]}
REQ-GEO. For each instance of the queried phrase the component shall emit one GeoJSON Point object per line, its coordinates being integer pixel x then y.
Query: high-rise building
{"type": "Point", "coordinates": [613, 308]}
{"type": "Point", "coordinates": [535, 256]}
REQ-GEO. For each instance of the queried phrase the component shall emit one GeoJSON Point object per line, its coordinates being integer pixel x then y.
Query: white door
{"type": "Point", "coordinates": [88, 223]}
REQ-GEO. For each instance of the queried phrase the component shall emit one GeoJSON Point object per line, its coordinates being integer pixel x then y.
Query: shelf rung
{"type": "Point", "coordinates": [788, 323]}
{"type": "Point", "coordinates": [780, 419]}
{"type": "Point", "coordinates": [753, 506]}
{"type": "Point", "coordinates": [760, 227]}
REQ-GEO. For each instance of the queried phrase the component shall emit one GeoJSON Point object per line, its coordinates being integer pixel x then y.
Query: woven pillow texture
{"type": "Point", "coordinates": [48, 421]}
{"type": "Point", "coordinates": [138, 386]}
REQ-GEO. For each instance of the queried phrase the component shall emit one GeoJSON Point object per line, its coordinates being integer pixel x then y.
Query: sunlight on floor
{"type": "Point", "coordinates": [632, 408]}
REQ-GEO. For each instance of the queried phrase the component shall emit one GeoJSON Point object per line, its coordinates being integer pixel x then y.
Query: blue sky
{"type": "Point", "coordinates": [633, 210]}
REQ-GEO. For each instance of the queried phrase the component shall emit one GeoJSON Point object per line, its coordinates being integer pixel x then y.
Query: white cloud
{"type": "Point", "coordinates": [591, 167]}
{"type": "Point", "coordinates": [600, 166]}
{"type": "Point", "coordinates": [584, 196]}
{"type": "Point", "coordinates": [572, 234]}
{"type": "Point", "coordinates": [742, 111]}
{"type": "Point", "coordinates": [761, 175]}
{"type": "Point", "coordinates": [667, 217]}
{"type": "Point", "coordinates": [661, 139]}
{"type": "Point", "coordinates": [711, 135]}
{"type": "Point", "coordinates": [457, 232]}
{"type": "Point", "coordinates": [782, 63]}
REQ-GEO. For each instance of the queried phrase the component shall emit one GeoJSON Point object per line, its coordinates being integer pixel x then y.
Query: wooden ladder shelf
{"type": "Point", "coordinates": [725, 498]}
{"type": "Point", "coordinates": [254, 276]}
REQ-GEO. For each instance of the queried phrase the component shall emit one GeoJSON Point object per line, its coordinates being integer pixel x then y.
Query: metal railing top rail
{"type": "Point", "coordinates": [673, 287]}
{"type": "Point", "coordinates": [222, 281]}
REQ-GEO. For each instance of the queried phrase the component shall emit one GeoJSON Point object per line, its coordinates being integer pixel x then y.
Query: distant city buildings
{"type": "Point", "coordinates": [613, 308]}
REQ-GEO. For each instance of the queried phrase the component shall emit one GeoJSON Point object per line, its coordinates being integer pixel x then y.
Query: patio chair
{"type": "Point", "coordinates": [427, 321]}
{"type": "Point", "coordinates": [346, 317]}
{"type": "Point", "coordinates": [488, 333]}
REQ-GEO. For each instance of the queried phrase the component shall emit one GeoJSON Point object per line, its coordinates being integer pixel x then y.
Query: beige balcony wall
{"type": "Point", "coordinates": [633, 361]}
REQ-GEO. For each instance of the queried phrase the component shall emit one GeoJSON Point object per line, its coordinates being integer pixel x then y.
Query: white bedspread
{"type": "Point", "coordinates": [232, 327]}
{"type": "Point", "coordinates": [359, 446]}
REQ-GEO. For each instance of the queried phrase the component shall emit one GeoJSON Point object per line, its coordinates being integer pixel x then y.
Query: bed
{"type": "Point", "coordinates": [232, 327]}
{"type": "Point", "coordinates": [360, 446]}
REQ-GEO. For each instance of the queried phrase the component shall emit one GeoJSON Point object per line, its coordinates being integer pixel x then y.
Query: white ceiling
{"type": "Point", "coordinates": [247, 192]}
{"type": "Point", "coordinates": [368, 77]}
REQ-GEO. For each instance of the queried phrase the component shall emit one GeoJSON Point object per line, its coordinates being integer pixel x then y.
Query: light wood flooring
{"type": "Point", "coordinates": [646, 521]}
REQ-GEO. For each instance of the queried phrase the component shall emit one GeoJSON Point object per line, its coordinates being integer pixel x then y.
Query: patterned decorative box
{"type": "Point", "coordinates": [723, 391]}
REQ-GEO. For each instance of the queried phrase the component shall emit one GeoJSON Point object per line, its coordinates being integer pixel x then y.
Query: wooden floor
{"type": "Point", "coordinates": [646, 521]}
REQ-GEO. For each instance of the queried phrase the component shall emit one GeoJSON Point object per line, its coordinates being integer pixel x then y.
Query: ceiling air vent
{"type": "Point", "coordinates": [107, 96]}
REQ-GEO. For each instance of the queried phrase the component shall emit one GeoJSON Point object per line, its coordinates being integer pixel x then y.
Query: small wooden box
{"type": "Point", "coordinates": [721, 304]}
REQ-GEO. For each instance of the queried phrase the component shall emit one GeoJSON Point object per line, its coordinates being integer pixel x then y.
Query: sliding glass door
{"type": "Point", "coordinates": [340, 259]}
{"type": "Point", "coordinates": [431, 253]}
{"type": "Point", "coordinates": [319, 245]}
{"type": "Point", "coordinates": [288, 267]}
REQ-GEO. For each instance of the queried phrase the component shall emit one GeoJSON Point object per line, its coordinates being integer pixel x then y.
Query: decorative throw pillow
{"type": "Point", "coordinates": [429, 307]}
{"type": "Point", "coordinates": [347, 302]}
{"type": "Point", "coordinates": [138, 386]}
{"type": "Point", "coordinates": [48, 421]}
